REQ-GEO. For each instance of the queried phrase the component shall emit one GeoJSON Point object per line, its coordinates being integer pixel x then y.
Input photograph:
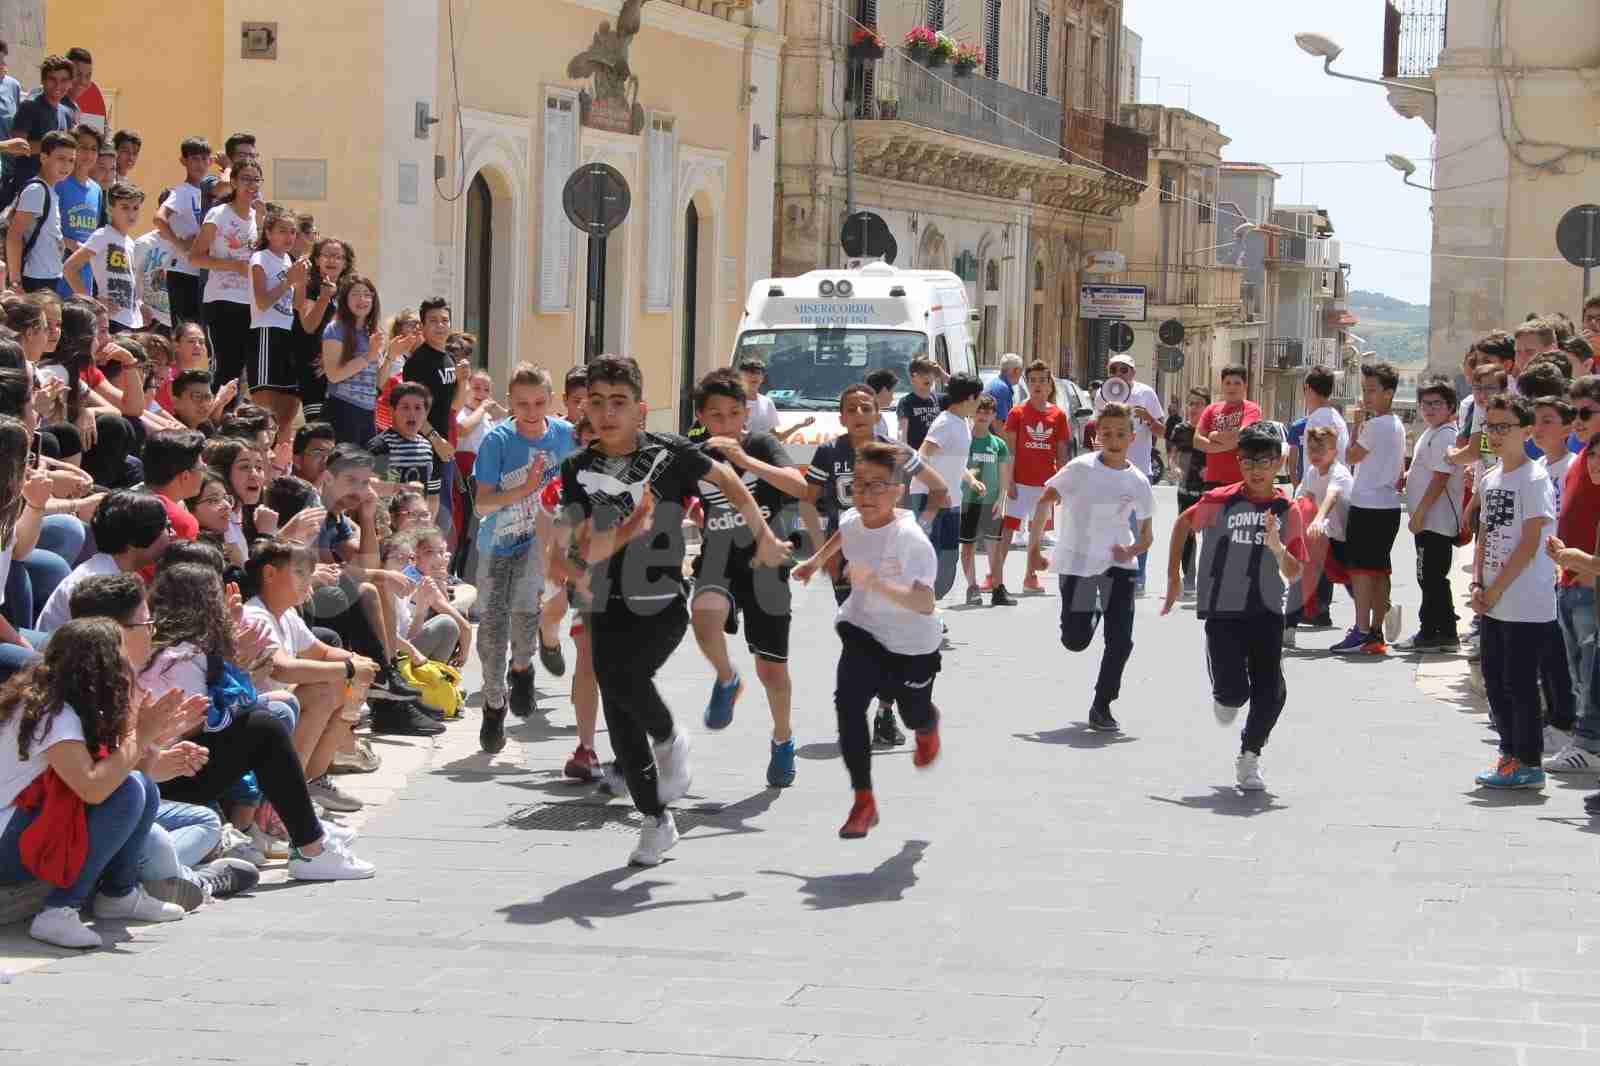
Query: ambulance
{"type": "Point", "coordinates": [827, 329]}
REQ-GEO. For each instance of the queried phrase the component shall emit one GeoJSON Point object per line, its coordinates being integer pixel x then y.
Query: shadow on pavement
{"type": "Point", "coordinates": [888, 882]}
{"type": "Point", "coordinates": [822, 749]}
{"type": "Point", "coordinates": [1582, 825]}
{"type": "Point", "coordinates": [478, 768]}
{"type": "Point", "coordinates": [601, 896]}
{"type": "Point", "coordinates": [1229, 801]}
{"type": "Point", "coordinates": [733, 819]}
{"type": "Point", "coordinates": [1076, 736]}
{"type": "Point", "coordinates": [1506, 797]}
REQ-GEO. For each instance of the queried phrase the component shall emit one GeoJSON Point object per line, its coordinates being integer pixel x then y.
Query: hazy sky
{"type": "Point", "coordinates": [1277, 105]}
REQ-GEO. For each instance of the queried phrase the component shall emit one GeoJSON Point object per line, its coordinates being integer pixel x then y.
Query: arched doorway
{"type": "Point", "coordinates": [477, 272]}
{"type": "Point", "coordinates": [691, 315]}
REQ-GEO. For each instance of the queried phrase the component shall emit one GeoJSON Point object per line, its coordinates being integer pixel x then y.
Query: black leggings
{"type": "Point", "coordinates": [868, 669]}
{"type": "Point", "coordinates": [1187, 500]}
{"type": "Point", "coordinates": [628, 651]}
{"type": "Point", "coordinates": [113, 461]}
{"type": "Point", "coordinates": [1245, 657]}
{"type": "Point", "coordinates": [229, 334]}
{"type": "Point", "coordinates": [1084, 601]}
{"type": "Point", "coordinates": [257, 741]}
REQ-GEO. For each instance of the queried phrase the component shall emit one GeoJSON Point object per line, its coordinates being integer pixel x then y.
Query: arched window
{"type": "Point", "coordinates": [991, 276]}
{"type": "Point", "coordinates": [479, 246]}
{"type": "Point", "coordinates": [1038, 275]}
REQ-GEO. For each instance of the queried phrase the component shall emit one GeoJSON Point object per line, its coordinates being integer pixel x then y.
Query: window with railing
{"type": "Point", "coordinates": [1169, 189]}
{"type": "Point", "coordinates": [1413, 37]}
{"type": "Point", "coordinates": [935, 16]}
{"type": "Point", "coordinates": [991, 39]}
{"type": "Point", "coordinates": [1041, 53]}
{"type": "Point", "coordinates": [1207, 212]}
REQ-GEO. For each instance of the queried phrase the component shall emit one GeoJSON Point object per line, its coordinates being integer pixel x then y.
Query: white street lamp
{"type": "Point", "coordinates": [1327, 49]}
{"type": "Point", "coordinates": [1406, 168]}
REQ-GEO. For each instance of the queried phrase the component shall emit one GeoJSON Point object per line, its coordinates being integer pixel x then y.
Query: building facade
{"type": "Point", "coordinates": [1007, 175]}
{"type": "Point", "coordinates": [439, 140]}
{"type": "Point", "coordinates": [1516, 117]}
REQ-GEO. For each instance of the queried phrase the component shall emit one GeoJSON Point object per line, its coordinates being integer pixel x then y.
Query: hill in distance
{"type": "Point", "coordinates": [1395, 329]}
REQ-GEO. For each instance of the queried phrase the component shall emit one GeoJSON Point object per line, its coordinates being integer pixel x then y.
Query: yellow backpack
{"type": "Point", "coordinates": [439, 684]}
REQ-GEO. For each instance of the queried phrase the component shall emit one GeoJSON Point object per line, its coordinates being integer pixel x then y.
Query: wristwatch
{"type": "Point", "coordinates": [349, 669]}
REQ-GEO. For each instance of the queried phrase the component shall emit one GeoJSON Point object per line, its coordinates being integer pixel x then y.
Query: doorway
{"type": "Point", "coordinates": [479, 257]}
{"type": "Point", "coordinates": [691, 315]}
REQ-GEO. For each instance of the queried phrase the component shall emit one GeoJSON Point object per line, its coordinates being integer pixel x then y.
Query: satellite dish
{"type": "Point", "coordinates": [866, 235]}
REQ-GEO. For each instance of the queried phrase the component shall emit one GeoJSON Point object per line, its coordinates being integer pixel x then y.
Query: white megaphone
{"type": "Point", "coordinates": [1115, 390]}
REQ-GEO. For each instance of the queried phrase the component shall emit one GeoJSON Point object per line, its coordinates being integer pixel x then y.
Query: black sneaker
{"type": "Point", "coordinates": [1001, 598]}
{"type": "Point", "coordinates": [396, 718]}
{"type": "Point", "coordinates": [1319, 621]}
{"type": "Point", "coordinates": [520, 697]}
{"type": "Point", "coordinates": [552, 659]}
{"type": "Point", "coordinates": [885, 730]}
{"type": "Point", "coordinates": [1101, 721]}
{"type": "Point", "coordinates": [974, 597]}
{"type": "Point", "coordinates": [388, 684]}
{"type": "Point", "coordinates": [1591, 803]}
{"type": "Point", "coordinates": [228, 877]}
{"type": "Point", "coordinates": [492, 733]}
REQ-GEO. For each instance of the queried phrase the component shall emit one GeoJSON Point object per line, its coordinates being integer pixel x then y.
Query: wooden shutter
{"type": "Point", "coordinates": [662, 154]}
{"type": "Point", "coordinates": [991, 39]}
{"type": "Point", "coordinates": [556, 234]}
{"type": "Point", "coordinates": [1041, 53]}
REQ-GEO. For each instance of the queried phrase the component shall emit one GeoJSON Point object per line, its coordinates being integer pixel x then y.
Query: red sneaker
{"type": "Point", "coordinates": [927, 747]}
{"type": "Point", "coordinates": [987, 585]}
{"type": "Point", "coordinates": [1031, 583]}
{"type": "Point", "coordinates": [863, 816]}
{"type": "Point", "coordinates": [1375, 645]}
{"type": "Point", "coordinates": [584, 765]}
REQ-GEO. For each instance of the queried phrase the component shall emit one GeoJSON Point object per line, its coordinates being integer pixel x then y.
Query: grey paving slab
{"type": "Point", "coordinates": [1042, 897]}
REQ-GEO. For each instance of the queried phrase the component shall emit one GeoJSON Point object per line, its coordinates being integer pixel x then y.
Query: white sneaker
{"type": "Point", "coordinates": [1556, 740]}
{"type": "Point", "coordinates": [333, 863]}
{"type": "Point", "coordinates": [63, 927]}
{"type": "Point", "coordinates": [655, 840]}
{"type": "Point", "coordinates": [326, 792]}
{"type": "Point", "coordinates": [672, 768]}
{"type": "Point", "coordinates": [344, 834]}
{"type": "Point", "coordinates": [1247, 768]}
{"type": "Point", "coordinates": [1225, 714]}
{"type": "Point", "coordinates": [1572, 760]}
{"type": "Point", "coordinates": [271, 848]}
{"type": "Point", "coordinates": [237, 845]}
{"type": "Point", "coordinates": [1290, 640]}
{"type": "Point", "coordinates": [136, 906]}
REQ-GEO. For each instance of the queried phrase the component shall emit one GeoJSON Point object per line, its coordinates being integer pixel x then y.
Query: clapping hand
{"type": "Point", "coordinates": [234, 603]}
{"type": "Point", "coordinates": [183, 759]}
{"type": "Point", "coordinates": [162, 719]}
{"type": "Point", "coordinates": [266, 520]}
{"type": "Point", "coordinates": [304, 525]}
{"type": "Point", "coordinates": [250, 640]}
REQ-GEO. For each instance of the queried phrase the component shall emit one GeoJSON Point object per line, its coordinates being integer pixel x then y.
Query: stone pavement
{"type": "Point", "coordinates": [1043, 895]}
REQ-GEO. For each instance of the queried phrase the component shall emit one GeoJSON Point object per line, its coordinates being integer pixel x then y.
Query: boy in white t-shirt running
{"type": "Point", "coordinates": [887, 627]}
{"type": "Point", "coordinates": [1103, 497]}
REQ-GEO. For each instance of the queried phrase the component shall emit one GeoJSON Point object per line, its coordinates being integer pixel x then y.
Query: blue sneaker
{"type": "Point", "coordinates": [1353, 641]}
{"type": "Point", "coordinates": [780, 768]}
{"type": "Point", "coordinates": [719, 711]}
{"type": "Point", "coordinates": [1509, 773]}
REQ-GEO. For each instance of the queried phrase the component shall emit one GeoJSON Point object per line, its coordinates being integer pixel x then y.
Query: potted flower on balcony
{"type": "Point", "coordinates": [967, 58]}
{"type": "Point", "coordinates": [944, 46]}
{"type": "Point", "coordinates": [919, 42]}
{"type": "Point", "coordinates": [865, 43]}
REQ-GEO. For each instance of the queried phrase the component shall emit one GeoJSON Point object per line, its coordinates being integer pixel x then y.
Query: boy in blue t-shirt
{"type": "Point", "coordinates": [514, 461]}
{"type": "Point", "coordinates": [79, 196]}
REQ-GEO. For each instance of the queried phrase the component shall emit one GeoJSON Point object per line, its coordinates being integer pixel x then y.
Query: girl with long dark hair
{"type": "Point", "coordinates": [332, 260]}
{"type": "Point", "coordinates": [356, 360]}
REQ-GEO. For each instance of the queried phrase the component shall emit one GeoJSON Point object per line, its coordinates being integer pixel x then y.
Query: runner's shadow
{"type": "Point", "coordinates": [888, 882]}
{"type": "Point", "coordinates": [1076, 736]}
{"type": "Point", "coordinates": [1585, 824]}
{"type": "Point", "coordinates": [1506, 797]}
{"type": "Point", "coordinates": [478, 768]}
{"type": "Point", "coordinates": [732, 819]}
{"type": "Point", "coordinates": [825, 749]}
{"type": "Point", "coordinates": [1228, 801]}
{"type": "Point", "coordinates": [601, 896]}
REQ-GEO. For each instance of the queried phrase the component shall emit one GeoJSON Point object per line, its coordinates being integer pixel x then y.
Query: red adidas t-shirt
{"type": "Point", "coordinates": [1039, 435]}
{"type": "Point", "coordinates": [1222, 468]}
{"type": "Point", "coordinates": [1580, 514]}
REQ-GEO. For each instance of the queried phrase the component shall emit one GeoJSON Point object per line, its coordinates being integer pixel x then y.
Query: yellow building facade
{"type": "Point", "coordinates": [437, 138]}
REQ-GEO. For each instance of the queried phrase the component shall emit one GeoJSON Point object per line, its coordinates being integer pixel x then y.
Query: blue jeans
{"type": "Point", "coordinates": [183, 834]}
{"type": "Point", "coordinates": [1575, 610]}
{"type": "Point", "coordinates": [946, 536]}
{"type": "Point", "coordinates": [117, 830]}
{"type": "Point", "coordinates": [1144, 557]}
{"type": "Point", "coordinates": [35, 576]}
{"type": "Point", "coordinates": [14, 657]}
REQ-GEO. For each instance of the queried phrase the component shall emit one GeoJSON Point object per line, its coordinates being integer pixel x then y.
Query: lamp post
{"type": "Point", "coordinates": [1406, 168]}
{"type": "Point", "coordinates": [1238, 234]}
{"type": "Point", "coordinates": [1410, 100]}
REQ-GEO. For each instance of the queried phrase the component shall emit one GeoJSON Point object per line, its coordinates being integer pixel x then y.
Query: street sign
{"type": "Point", "coordinates": [1105, 263]}
{"type": "Point", "coordinates": [1169, 360]}
{"type": "Point", "coordinates": [1123, 303]}
{"type": "Point", "coordinates": [1578, 238]}
{"type": "Point", "coordinates": [596, 198]}
{"type": "Point", "coordinates": [1120, 336]}
{"type": "Point", "coordinates": [1170, 332]}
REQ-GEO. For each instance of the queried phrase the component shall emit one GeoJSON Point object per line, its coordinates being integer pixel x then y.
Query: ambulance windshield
{"type": "Point", "coordinates": [808, 368]}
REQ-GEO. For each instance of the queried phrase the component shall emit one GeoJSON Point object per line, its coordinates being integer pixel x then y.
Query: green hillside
{"type": "Point", "coordinates": [1395, 329]}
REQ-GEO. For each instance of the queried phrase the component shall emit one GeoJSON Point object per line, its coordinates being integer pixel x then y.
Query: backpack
{"type": "Point", "coordinates": [38, 227]}
{"type": "Point", "coordinates": [438, 685]}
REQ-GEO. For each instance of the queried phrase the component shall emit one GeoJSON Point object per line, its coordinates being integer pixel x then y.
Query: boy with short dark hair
{"type": "Point", "coordinates": [47, 110]}
{"type": "Point", "coordinates": [763, 417]}
{"type": "Point", "coordinates": [945, 447]}
{"type": "Point", "coordinates": [1217, 432]}
{"type": "Point", "coordinates": [888, 632]}
{"type": "Point", "coordinates": [987, 483]}
{"type": "Point", "coordinates": [1039, 435]}
{"type": "Point", "coordinates": [1252, 547]}
{"type": "Point", "coordinates": [1104, 497]}
{"type": "Point", "coordinates": [1512, 590]}
{"type": "Point", "coordinates": [405, 456]}
{"type": "Point", "coordinates": [1552, 424]}
{"type": "Point", "coordinates": [80, 198]}
{"type": "Point", "coordinates": [623, 496]}
{"type": "Point", "coordinates": [1191, 466]}
{"type": "Point", "coordinates": [1379, 456]}
{"type": "Point", "coordinates": [883, 382]}
{"type": "Point", "coordinates": [915, 412]}
{"type": "Point", "coordinates": [109, 259]}
{"type": "Point", "coordinates": [34, 238]}
{"type": "Point", "coordinates": [178, 221]}
{"type": "Point", "coordinates": [1433, 495]}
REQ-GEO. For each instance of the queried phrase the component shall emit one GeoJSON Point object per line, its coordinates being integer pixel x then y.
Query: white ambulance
{"type": "Point", "coordinates": [827, 329]}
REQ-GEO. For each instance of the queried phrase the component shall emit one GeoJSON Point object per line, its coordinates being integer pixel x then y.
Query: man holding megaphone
{"type": "Point", "coordinates": [1149, 418]}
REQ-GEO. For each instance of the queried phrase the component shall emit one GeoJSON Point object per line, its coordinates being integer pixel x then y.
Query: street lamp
{"type": "Point", "coordinates": [1238, 233]}
{"type": "Point", "coordinates": [1410, 100]}
{"type": "Point", "coordinates": [1406, 168]}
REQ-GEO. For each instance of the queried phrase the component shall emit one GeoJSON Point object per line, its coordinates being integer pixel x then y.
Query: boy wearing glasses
{"type": "Point", "coordinates": [1433, 495]}
{"type": "Point", "coordinates": [1379, 455]}
{"type": "Point", "coordinates": [1511, 591]}
{"type": "Point", "coordinates": [1251, 548]}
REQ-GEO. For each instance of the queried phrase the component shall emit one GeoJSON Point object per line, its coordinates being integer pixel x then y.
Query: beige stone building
{"type": "Point", "coordinates": [1007, 176]}
{"type": "Point", "coordinates": [437, 135]}
{"type": "Point", "coordinates": [1517, 119]}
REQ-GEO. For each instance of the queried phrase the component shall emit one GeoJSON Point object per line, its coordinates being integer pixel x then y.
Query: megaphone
{"type": "Point", "coordinates": [1115, 390]}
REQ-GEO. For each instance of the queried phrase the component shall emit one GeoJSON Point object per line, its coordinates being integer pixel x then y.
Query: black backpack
{"type": "Point", "coordinates": [38, 227]}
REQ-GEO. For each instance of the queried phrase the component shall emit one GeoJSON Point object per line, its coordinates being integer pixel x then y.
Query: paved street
{"type": "Point", "coordinates": [1044, 895]}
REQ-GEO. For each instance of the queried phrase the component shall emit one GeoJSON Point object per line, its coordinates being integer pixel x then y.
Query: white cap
{"type": "Point", "coordinates": [1124, 359]}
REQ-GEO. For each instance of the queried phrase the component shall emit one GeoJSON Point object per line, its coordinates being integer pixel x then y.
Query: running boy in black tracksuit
{"type": "Point", "coordinates": [1251, 547]}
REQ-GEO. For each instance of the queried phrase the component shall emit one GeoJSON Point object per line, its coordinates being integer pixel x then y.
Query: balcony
{"type": "Point", "coordinates": [1287, 249]}
{"type": "Point", "coordinates": [1184, 286]}
{"type": "Point", "coordinates": [1323, 352]}
{"type": "Point", "coordinates": [1413, 37]}
{"type": "Point", "coordinates": [973, 135]}
{"type": "Point", "coordinates": [1284, 353]}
